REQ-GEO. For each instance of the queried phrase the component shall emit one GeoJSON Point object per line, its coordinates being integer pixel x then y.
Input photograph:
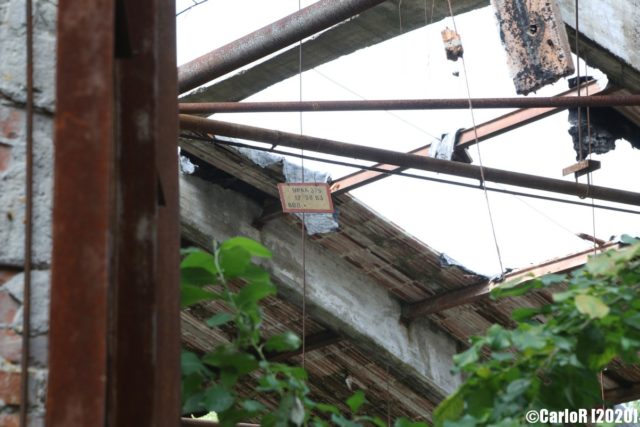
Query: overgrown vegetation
{"type": "Point", "coordinates": [553, 357]}
{"type": "Point", "coordinates": [550, 360]}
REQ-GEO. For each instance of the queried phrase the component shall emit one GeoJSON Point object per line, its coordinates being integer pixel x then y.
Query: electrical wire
{"type": "Point", "coordinates": [475, 132]}
{"type": "Point", "coordinates": [28, 232]}
{"type": "Point", "coordinates": [303, 228]}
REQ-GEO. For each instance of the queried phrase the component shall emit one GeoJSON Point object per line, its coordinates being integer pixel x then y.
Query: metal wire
{"type": "Point", "coordinates": [475, 133]}
{"type": "Point", "coordinates": [28, 232]}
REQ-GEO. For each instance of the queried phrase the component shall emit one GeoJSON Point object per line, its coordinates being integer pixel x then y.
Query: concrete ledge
{"type": "Point", "coordinates": [337, 293]}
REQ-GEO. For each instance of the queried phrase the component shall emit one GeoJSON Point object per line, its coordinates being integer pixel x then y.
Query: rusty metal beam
{"type": "Point", "coordinates": [76, 392]}
{"type": "Point", "coordinates": [145, 344]}
{"type": "Point", "coordinates": [474, 293]}
{"type": "Point", "coordinates": [545, 104]}
{"type": "Point", "coordinates": [269, 39]}
{"type": "Point", "coordinates": [405, 160]}
{"type": "Point", "coordinates": [467, 137]}
{"type": "Point", "coordinates": [115, 222]}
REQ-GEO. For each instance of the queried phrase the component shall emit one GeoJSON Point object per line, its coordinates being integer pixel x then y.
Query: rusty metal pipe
{"type": "Point", "coordinates": [411, 104]}
{"type": "Point", "coordinates": [269, 39]}
{"type": "Point", "coordinates": [405, 160]}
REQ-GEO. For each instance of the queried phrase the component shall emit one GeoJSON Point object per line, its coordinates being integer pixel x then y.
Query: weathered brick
{"type": "Point", "coordinates": [10, 387]}
{"type": "Point", "coordinates": [9, 420]}
{"type": "Point", "coordinates": [5, 156]}
{"type": "Point", "coordinates": [12, 123]}
{"type": "Point", "coordinates": [8, 307]}
{"type": "Point", "coordinates": [10, 345]}
{"type": "Point", "coordinates": [7, 273]}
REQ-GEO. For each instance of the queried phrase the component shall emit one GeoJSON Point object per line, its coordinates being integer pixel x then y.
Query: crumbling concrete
{"type": "Point", "coordinates": [337, 292]}
{"type": "Point", "coordinates": [596, 130]}
{"type": "Point", "coordinates": [535, 41]}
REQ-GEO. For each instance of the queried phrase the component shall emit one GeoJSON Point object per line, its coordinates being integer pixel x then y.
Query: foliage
{"type": "Point", "coordinates": [555, 364]}
{"type": "Point", "coordinates": [209, 381]}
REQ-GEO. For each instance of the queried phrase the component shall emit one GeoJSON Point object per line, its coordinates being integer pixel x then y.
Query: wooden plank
{"type": "Point", "coordinates": [581, 168]}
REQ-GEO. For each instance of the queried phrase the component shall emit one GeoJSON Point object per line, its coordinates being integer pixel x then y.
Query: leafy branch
{"type": "Point", "coordinates": [209, 382]}
{"type": "Point", "coordinates": [553, 357]}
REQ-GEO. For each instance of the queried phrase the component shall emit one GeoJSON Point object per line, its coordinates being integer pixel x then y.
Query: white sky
{"type": "Point", "coordinates": [450, 219]}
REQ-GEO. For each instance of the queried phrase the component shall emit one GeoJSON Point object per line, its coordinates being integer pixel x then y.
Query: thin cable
{"type": "Point", "coordinates": [391, 113]}
{"type": "Point", "coordinates": [589, 175]}
{"type": "Point", "coordinates": [28, 232]}
{"type": "Point", "coordinates": [475, 133]}
{"type": "Point", "coordinates": [303, 228]}
{"type": "Point", "coordinates": [388, 398]}
{"type": "Point", "coordinates": [408, 175]}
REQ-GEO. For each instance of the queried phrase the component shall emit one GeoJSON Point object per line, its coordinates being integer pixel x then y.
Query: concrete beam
{"type": "Point", "coordinates": [338, 294]}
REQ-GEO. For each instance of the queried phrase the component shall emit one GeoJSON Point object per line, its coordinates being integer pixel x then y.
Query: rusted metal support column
{"type": "Point", "coordinates": [115, 338]}
{"type": "Point", "coordinates": [82, 219]}
{"type": "Point", "coordinates": [269, 39]}
{"type": "Point", "coordinates": [146, 340]}
{"type": "Point", "coordinates": [326, 146]}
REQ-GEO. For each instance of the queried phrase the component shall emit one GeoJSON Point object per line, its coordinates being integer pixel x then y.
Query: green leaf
{"type": "Point", "coordinates": [219, 319]}
{"type": "Point", "coordinates": [325, 407]}
{"type": "Point", "coordinates": [514, 288]}
{"type": "Point", "coordinates": [287, 341]}
{"type": "Point", "coordinates": [343, 422]}
{"type": "Point", "coordinates": [253, 405]}
{"type": "Point", "coordinates": [217, 399]}
{"type": "Point", "coordinates": [629, 240]}
{"type": "Point", "coordinates": [591, 306]}
{"type": "Point", "coordinates": [234, 261]}
{"type": "Point", "coordinates": [190, 295]}
{"type": "Point", "coordinates": [190, 363]}
{"type": "Point", "coordinates": [251, 246]}
{"type": "Point", "coordinates": [602, 264]}
{"type": "Point", "coordinates": [553, 279]}
{"type": "Point", "coordinates": [467, 357]}
{"type": "Point", "coordinates": [515, 389]}
{"type": "Point", "coordinates": [197, 276]}
{"type": "Point", "coordinates": [525, 313]}
{"type": "Point", "coordinates": [356, 401]}
{"type": "Point", "coordinates": [199, 259]}
{"type": "Point", "coordinates": [632, 320]}
{"type": "Point", "coordinates": [404, 422]}
{"type": "Point", "coordinates": [225, 358]}
{"type": "Point", "coordinates": [449, 409]}
{"type": "Point", "coordinates": [498, 337]}
{"type": "Point", "coordinates": [254, 292]}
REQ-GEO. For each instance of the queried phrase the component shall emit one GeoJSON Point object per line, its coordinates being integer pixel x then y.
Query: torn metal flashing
{"type": "Point", "coordinates": [536, 43]}
{"type": "Point", "coordinates": [315, 223]}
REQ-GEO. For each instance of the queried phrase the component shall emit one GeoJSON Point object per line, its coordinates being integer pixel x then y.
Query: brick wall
{"type": "Point", "coordinates": [12, 203]}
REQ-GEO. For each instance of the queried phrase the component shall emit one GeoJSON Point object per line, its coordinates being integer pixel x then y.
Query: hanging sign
{"type": "Point", "coordinates": [308, 197]}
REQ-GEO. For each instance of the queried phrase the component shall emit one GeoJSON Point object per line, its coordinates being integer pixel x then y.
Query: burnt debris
{"type": "Point", "coordinates": [598, 130]}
